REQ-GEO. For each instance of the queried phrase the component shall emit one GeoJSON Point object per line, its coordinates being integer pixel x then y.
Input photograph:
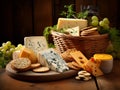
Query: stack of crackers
{"type": "Point", "coordinates": [77, 61]}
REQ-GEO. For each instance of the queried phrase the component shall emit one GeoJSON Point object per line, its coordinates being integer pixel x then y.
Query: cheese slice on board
{"type": "Point", "coordinates": [70, 22]}
{"type": "Point", "coordinates": [53, 60]}
{"type": "Point", "coordinates": [36, 43]}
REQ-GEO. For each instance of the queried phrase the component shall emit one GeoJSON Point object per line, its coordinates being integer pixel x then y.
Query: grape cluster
{"type": "Point", "coordinates": [6, 51]}
{"type": "Point", "coordinates": [95, 21]}
{"type": "Point", "coordinates": [103, 23]}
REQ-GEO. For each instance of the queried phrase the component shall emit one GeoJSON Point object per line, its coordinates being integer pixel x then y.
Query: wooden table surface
{"type": "Point", "coordinates": [109, 81]}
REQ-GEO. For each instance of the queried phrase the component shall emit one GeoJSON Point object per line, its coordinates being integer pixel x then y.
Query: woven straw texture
{"type": "Point", "coordinates": [88, 45]}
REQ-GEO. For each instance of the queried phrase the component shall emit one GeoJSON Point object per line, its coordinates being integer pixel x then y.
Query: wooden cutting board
{"type": "Point", "coordinates": [32, 76]}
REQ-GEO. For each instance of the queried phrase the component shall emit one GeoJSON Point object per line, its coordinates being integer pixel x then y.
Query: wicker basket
{"type": "Point", "coordinates": [89, 45]}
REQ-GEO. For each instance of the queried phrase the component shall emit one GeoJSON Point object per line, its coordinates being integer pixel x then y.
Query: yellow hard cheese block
{"type": "Point", "coordinates": [70, 23]}
{"type": "Point", "coordinates": [106, 62]}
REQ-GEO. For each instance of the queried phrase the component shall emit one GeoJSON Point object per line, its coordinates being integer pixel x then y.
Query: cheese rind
{"type": "Point", "coordinates": [53, 60]}
{"type": "Point", "coordinates": [103, 56]}
{"type": "Point", "coordinates": [106, 62]}
{"type": "Point", "coordinates": [70, 22]}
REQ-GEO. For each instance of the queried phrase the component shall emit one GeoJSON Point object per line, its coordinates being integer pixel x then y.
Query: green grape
{"type": "Point", "coordinates": [106, 26]}
{"type": "Point", "coordinates": [101, 23]}
{"type": "Point", "coordinates": [3, 51]}
{"type": "Point", "coordinates": [1, 48]}
{"type": "Point", "coordinates": [19, 46]}
{"type": "Point", "coordinates": [5, 46]}
{"type": "Point", "coordinates": [12, 46]}
{"type": "Point", "coordinates": [12, 50]}
{"type": "Point", "coordinates": [105, 20]}
{"type": "Point", "coordinates": [8, 53]}
{"type": "Point", "coordinates": [8, 43]}
{"type": "Point", "coordinates": [94, 18]}
{"type": "Point", "coordinates": [94, 23]}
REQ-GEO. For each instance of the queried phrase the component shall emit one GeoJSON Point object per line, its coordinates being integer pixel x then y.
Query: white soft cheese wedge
{"type": "Point", "coordinates": [70, 22]}
{"type": "Point", "coordinates": [36, 43]}
{"type": "Point", "coordinates": [53, 60]}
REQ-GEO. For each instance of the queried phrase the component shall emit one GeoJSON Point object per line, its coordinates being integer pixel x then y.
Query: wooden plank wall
{"type": "Point", "coordinates": [106, 8]}
{"type": "Point", "coordinates": [20, 18]}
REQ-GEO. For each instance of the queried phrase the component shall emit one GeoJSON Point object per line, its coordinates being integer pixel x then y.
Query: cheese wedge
{"type": "Point", "coordinates": [28, 53]}
{"type": "Point", "coordinates": [50, 58]}
{"type": "Point", "coordinates": [36, 43]}
{"type": "Point", "coordinates": [70, 23]}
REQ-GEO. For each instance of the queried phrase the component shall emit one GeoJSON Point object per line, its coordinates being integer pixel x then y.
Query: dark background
{"type": "Point", "coordinates": [20, 18]}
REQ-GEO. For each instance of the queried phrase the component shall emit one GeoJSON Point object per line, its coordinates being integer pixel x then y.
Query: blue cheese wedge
{"type": "Point", "coordinates": [36, 43]}
{"type": "Point", "coordinates": [53, 60]}
{"type": "Point", "coordinates": [73, 31]}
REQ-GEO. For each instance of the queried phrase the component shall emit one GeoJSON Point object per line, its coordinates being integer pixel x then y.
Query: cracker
{"type": "Point", "coordinates": [41, 69]}
{"type": "Point", "coordinates": [21, 64]}
{"type": "Point", "coordinates": [35, 65]}
{"type": "Point", "coordinates": [79, 58]}
{"type": "Point", "coordinates": [66, 55]}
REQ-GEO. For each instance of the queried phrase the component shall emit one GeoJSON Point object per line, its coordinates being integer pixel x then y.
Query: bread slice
{"type": "Point", "coordinates": [21, 64]}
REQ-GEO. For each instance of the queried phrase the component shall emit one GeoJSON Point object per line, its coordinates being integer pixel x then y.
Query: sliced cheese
{"type": "Point", "coordinates": [79, 57]}
{"type": "Point", "coordinates": [50, 58]}
{"type": "Point", "coordinates": [28, 53]}
{"type": "Point", "coordinates": [70, 22]}
{"type": "Point", "coordinates": [36, 43]}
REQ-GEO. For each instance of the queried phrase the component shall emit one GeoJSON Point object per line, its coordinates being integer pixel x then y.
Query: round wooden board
{"type": "Point", "coordinates": [32, 76]}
